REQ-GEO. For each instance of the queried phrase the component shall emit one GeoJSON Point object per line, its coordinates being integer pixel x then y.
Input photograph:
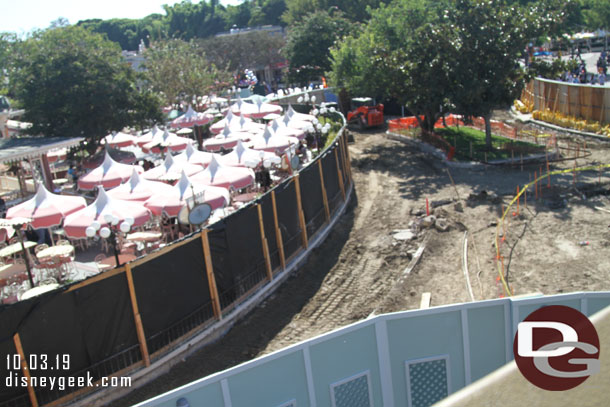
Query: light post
{"type": "Point", "coordinates": [110, 231]}
{"type": "Point", "coordinates": [18, 224]}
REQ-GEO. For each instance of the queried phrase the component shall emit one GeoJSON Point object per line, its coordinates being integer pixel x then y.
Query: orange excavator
{"type": "Point", "coordinates": [365, 113]}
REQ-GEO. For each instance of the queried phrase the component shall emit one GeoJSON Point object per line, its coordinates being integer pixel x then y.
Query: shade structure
{"type": "Point", "coordinates": [224, 176]}
{"type": "Point", "coordinates": [147, 137]}
{"type": "Point", "coordinates": [191, 118]}
{"type": "Point", "coordinates": [76, 223]}
{"type": "Point", "coordinates": [170, 170]}
{"type": "Point", "coordinates": [173, 201]}
{"type": "Point", "coordinates": [256, 110]}
{"type": "Point", "coordinates": [119, 139]}
{"type": "Point", "coordinates": [280, 128]}
{"type": "Point", "coordinates": [227, 139]}
{"type": "Point", "coordinates": [242, 156]}
{"type": "Point", "coordinates": [294, 115]}
{"type": "Point", "coordinates": [120, 156]}
{"type": "Point", "coordinates": [138, 188]}
{"type": "Point", "coordinates": [46, 209]}
{"type": "Point", "coordinates": [192, 156]}
{"type": "Point", "coordinates": [108, 175]}
{"type": "Point", "coordinates": [237, 123]}
{"type": "Point", "coordinates": [272, 142]}
{"type": "Point", "coordinates": [169, 141]}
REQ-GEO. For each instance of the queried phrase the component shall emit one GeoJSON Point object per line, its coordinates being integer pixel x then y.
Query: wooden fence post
{"type": "Point", "coordinates": [297, 186]}
{"type": "Point", "coordinates": [278, 233]}
{"type": "Point", "coordinates": [340, 175]}
{"type": "Point", "coordinates": [324, 196]}
{"type": "Point", "coordinates": [210, 273]}
{"type": "Point", "coordinates": [25, 369]}
{"type": "Point", "coordinates": [264, 243]}
{"type": "Point", "coordinates": [343, 159]}
{"type": "Point", "coordinates": [136, 316]}
{"type": "Point", "coordinates": [348, 159]}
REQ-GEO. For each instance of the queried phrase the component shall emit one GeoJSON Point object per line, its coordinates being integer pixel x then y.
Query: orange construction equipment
{"type": "Point", "coordinates": [365, 113]}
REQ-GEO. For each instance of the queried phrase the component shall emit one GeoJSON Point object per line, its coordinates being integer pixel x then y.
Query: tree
{"type": "Point", "coordinates": [180, 70]}
{"type": "Point", "coordinates": [488, 37]}
{"type": "Point", "coordinates": [74, 83]}
{"type": "Point", "coordinates": [252, 50]}
{"type": "Point", "coordinates": [354, 10]}
{"type": "Point", "coordinates": [7, 43]}
{"type": "Point", "coordinates": [432, 56]}
{"type": "Point", "coordinates": [597, 14]}
{"type": "Point", "coordinates": [309, 41]}
{"type": "Point", "coordinates": [397, 56]}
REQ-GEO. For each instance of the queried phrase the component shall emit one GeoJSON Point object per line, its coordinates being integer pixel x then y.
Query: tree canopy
{"type": "Point", "coordinates": [433, 55]}
{"type": "Point", "coordinates": [179, 70]}
{"type": "Point", "coordinates": [237, 52]}
{"type": "Point", "coordinates": [308, 43]}
{"type": "Point", "coordinates": [74, 83]}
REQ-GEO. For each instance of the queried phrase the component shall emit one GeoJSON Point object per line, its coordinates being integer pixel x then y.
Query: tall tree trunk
{"type": "Point", "coordinates": [487, 118]}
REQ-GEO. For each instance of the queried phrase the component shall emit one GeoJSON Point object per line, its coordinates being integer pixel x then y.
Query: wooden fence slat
{"type": "Point", "coordinates": [278, 233]}
{"type": "Point", "coordinates": [136, 316]}
{"type": "Point", "coordinates": [25, 369]}
{"type": "Point", "coordinates": [205, 242]}
{"type": "Point", "coordinates": [265, 246]}
{"type": "Point", "coordinates": [297, 185]}
{"type": "Point", "coordinates": [324, 196]}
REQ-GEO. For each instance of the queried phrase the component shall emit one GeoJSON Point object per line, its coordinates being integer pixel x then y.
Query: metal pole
{"type": "Point", "coordinates": [112, 238]}
{"type": "Point", "coordinates": [25, 255]}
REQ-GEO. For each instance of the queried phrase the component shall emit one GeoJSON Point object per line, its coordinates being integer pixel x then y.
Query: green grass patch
{"type": "Point", "coordinates": [502, 148]}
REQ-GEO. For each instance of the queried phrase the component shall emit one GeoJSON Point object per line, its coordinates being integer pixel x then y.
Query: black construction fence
{"type": "Point", "coordinates": [116, 322]}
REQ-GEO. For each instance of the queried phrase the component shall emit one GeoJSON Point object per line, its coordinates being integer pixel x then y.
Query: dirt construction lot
{"type": "Point", "coordinates": [360, 268]}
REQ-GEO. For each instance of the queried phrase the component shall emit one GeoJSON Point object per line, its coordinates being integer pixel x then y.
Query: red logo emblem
{"type": "Point", "coordinates": [556, 348]}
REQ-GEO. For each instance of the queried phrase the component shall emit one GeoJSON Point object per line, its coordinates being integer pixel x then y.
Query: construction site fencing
{"type": "Point", "coordinates": [552, 147]}
{"type": "Point", "coordinates": [590, 102]}
{"type": "Point", "coordinates": [120, 321]}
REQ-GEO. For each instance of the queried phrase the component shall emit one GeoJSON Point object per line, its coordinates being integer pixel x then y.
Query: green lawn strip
{"type": "Point", "coordinates": [502, 147]}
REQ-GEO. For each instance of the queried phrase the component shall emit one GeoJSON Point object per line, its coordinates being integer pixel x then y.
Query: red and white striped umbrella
{"type": "Point", "coordinates": [191, 118]}
{"type": "Point", "coordinates": [256, 110]}
{"type": "Point", "coordinates": [46, 209]}
{"type": "Point", "coordinates": [76, 224]}
{"type": "Point", "coordinates": [280, 128]}
{"type": "Point", "coordinates": [147, 137]}
{"type": "Point", "coordinates": [172, 202]}
{"type": "Point", "coordinates": [242, 156]}
{"type": "Point", "coordinates": [120, 139]}
{"type": "Point", "coordinates": [171, 170]}
{"type": "Point", "coordinates": [237, 123]}
{"type": "Point", "coordinates": [138, 188]}
{"type": "Point", "coordinates": [294, 115]}
{"type": "Point", "coordinates": [224, 176]}
{"type": "Point", "coordinates": [108, 175]}
{"type": "Point", "coordinates": [227, 139]}
{"type": "Point", "coordinates": [167, 140]}
{"type": "Point", "coordinates": [192, 156]}
{"type": "Point", "coordinates": [272, 142]}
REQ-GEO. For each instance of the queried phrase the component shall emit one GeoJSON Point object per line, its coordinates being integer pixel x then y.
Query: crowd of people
{"type": "Point", "coordinates": [579, 73]}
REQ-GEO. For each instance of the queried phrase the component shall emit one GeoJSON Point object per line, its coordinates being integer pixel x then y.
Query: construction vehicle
{"type": "Point", "coordinates": [365, 113]}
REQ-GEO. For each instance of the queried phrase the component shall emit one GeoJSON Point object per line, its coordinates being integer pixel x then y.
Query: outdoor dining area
{"type": "Point", "coordinates": [117, 212]}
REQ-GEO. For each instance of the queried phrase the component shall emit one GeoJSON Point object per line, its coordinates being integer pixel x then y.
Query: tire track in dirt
{"type": "Point", "coordinates": [371, 193]}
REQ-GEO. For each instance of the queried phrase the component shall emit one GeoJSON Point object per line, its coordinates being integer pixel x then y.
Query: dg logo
{"type": "Point", "coordinates": [556, 348]}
